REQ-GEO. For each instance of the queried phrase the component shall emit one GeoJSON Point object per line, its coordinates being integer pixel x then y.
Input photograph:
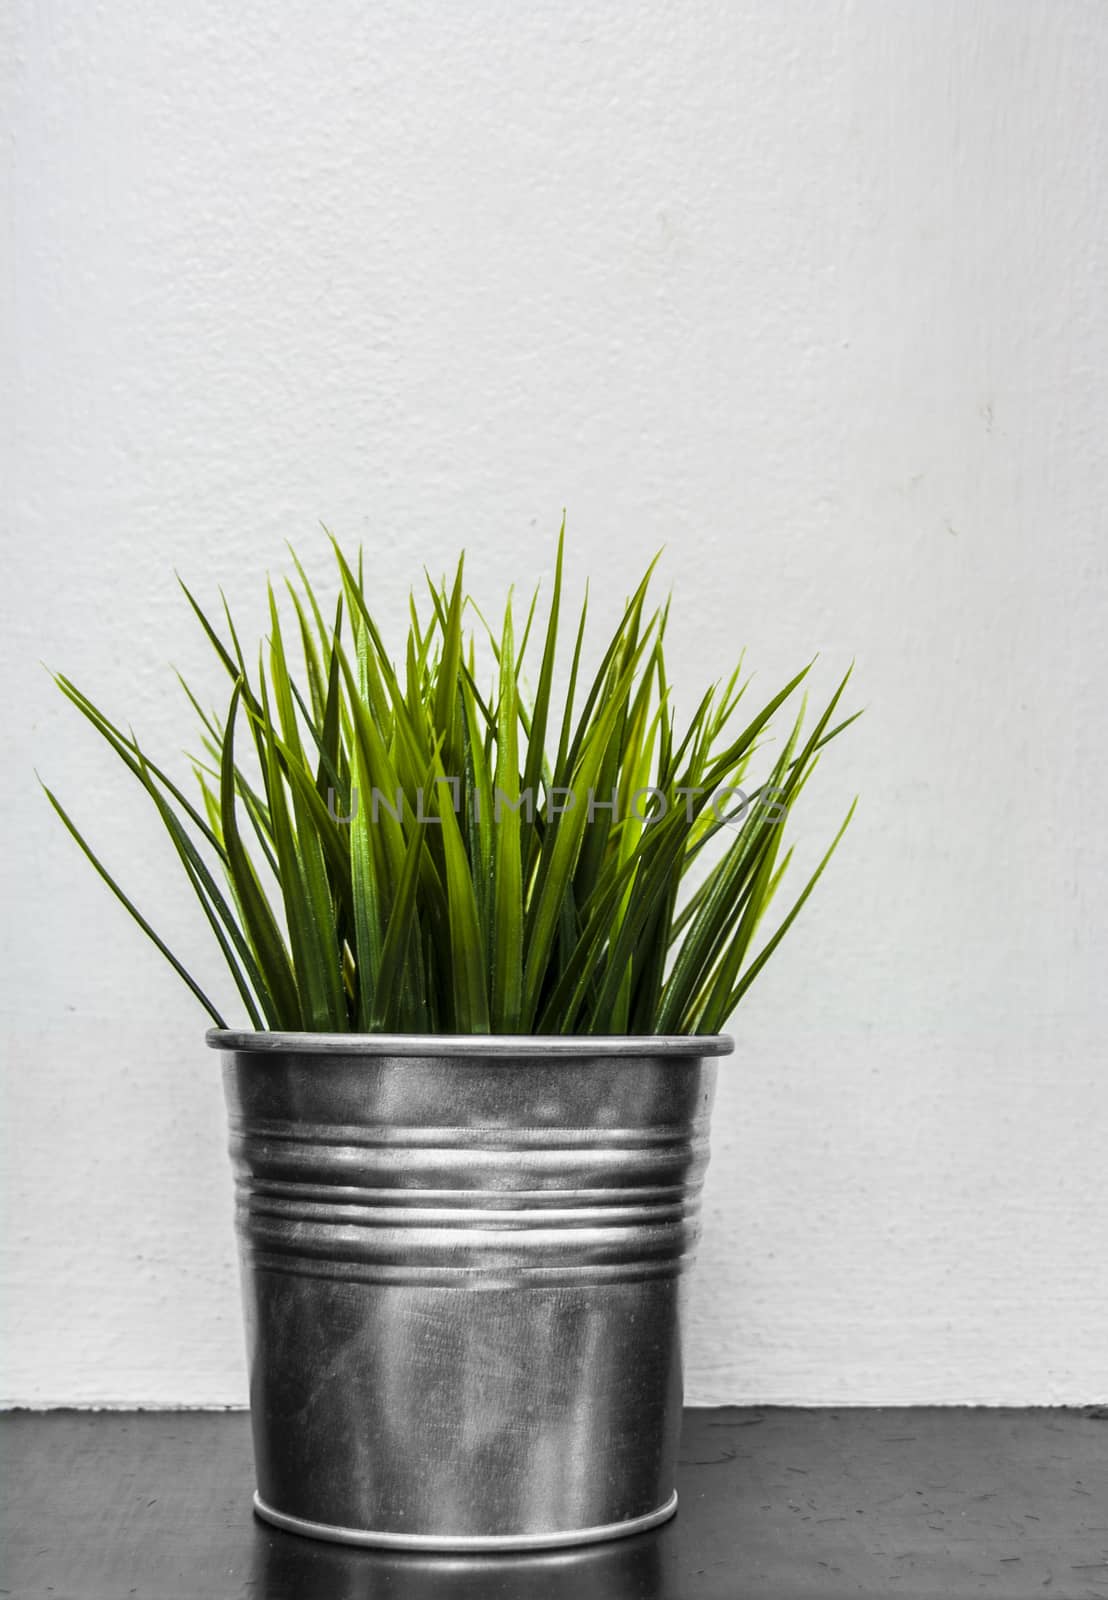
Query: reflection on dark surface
{"type": "Point", "coordinates": [288, 1567]}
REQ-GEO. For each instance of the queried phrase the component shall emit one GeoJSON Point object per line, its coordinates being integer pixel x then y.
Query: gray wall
{"type": "Point", "coordinates": [810, 292]}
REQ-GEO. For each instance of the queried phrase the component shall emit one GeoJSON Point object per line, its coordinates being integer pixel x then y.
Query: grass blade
{"type": "Point", "coordinates": [507, 962]}
{"type": "Point", "coordinates": [133, 909]}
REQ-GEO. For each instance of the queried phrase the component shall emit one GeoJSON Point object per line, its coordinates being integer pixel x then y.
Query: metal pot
{"type": "Point", "coordinates": [463, 1266]}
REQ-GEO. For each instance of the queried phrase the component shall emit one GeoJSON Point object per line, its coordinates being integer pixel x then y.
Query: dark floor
{"type": "Point", "coordinates": [780, 1503]}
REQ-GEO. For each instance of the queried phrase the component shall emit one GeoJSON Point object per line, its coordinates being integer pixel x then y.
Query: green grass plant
{"type": "Point", "coordinates": [420, 845]}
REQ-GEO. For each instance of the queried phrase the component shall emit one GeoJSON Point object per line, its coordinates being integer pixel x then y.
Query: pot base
{"type": "Point", "coordinates": [465, 1542]}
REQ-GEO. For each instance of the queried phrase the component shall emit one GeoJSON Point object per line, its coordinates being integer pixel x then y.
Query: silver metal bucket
{"type": "Point", "coordinates": [463, 1265]}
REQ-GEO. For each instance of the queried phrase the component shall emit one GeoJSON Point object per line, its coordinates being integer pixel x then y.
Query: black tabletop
{"type": "Point", "coordinates": [104, 1506]}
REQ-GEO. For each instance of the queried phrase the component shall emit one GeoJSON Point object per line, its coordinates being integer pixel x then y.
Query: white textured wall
{"type": "Point", "coordinates": [813, 293]}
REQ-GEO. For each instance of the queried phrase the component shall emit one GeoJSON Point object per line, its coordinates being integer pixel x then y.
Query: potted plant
{"type": "Point", "coordinates": [469, 1117]}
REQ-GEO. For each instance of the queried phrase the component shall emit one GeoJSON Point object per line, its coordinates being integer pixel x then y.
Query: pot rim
{"type": "Point", "coordinates": [484, 1045]}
